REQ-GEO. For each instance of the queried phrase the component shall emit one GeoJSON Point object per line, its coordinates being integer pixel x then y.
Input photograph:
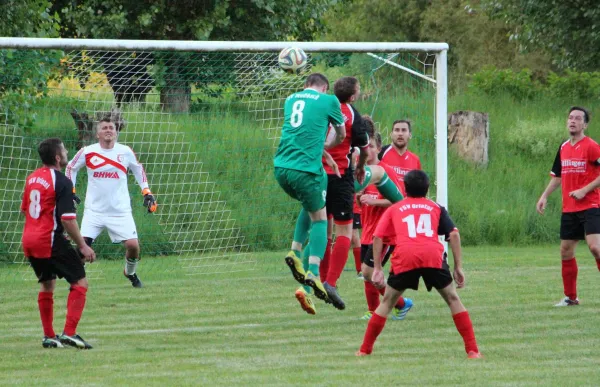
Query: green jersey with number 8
{"type": "Point", "coordinates": [307, 115]}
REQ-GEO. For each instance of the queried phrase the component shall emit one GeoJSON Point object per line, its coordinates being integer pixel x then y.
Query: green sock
{"type": "Point", "coordinates": [388, 189]}
{"type": "Point", "coordinates": [303, 225]}
{"type": "Point", "coordinates": [305, 265]}
{"type": "Point", "coordinates": [359, 187]}
{"type": "Point", "coordinates": [298, 253]}
{"type": "Point", "coordinates": [314, 268]}
{"type": "Point", "coordinates": [318, 243]}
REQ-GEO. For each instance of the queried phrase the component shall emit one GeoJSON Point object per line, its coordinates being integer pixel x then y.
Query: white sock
{"type": "Point", "coordinates": [313, 260]}
{"type": "Point", "coordinates": [130, 265]}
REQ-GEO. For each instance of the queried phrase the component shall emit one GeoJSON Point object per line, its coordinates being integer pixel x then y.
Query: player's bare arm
{"type": "Point", "coordinates": [579, 194]}
{"type": "Point", "coordinates": [370, 201]}
{"type": "Point", "coordinates": [72, 229]}
{"type": "Point", "coordinates": [331, 163]}
{"type": "Point", "coordinates": [340, 135]}
{"type": "Point", "coordinates": [377, 278]}
{"type": "Point", "coordinates": [552, 186]}
{"type": "Point", "coordinates": [454, 242]}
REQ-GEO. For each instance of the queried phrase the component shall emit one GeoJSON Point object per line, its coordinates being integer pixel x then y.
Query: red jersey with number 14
{"type": "Point", "coordinates": [415, 224]}
{"type": "Point", "coordinates": [577, 166]}
{"type": "Point", "coordinates": [48, 198]}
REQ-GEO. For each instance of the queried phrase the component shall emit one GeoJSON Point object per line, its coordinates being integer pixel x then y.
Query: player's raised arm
{"type": "Point", "coordinates": [75, 165]}
{"type": "Point", "coordinates": [140, 176]}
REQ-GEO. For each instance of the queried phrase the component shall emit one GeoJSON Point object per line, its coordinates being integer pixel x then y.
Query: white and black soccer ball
{"type": "Point", "coordinates": [293, 60]}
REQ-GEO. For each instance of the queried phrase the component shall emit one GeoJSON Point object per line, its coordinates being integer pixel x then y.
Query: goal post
{"type": "Point", "coordinates": [204, 119]}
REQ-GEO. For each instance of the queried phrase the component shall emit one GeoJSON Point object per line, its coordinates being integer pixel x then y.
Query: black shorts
{"type": "Point", "coordinates": [356, 224]}
{"type": "Point", "coordinates": [433, 278]}
{"type": "Point", "coordinates": [65, 262]}
{"type": "Point", "coordinates": [576, 225]}
{"type": "Point", "coordinates": [340, 196]}
{"type": "Point", "coordinates": [366, 254]}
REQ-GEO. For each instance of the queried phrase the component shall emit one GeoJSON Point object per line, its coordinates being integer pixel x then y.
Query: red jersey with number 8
{"type": "Point", "coordinates": [415, 224]}
{"type": "Point", "coordinates": [47, 198]}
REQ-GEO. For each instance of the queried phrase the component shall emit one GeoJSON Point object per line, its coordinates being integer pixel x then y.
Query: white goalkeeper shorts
{"type": "Point", "coordinates": [120, 228]}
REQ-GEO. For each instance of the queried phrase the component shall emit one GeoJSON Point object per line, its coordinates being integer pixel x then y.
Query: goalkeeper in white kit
{"type": "Point", "coordinates": [107, 202]}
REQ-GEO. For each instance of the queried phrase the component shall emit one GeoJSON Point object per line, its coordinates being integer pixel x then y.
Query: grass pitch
{"type": "Point", "coordinates": [247, 329]}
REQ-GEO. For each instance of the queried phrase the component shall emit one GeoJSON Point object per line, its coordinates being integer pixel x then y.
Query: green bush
{"type": "Point", "coordinates": [536, 139]}
{"type": "Point", "coordinates": [576, 85]}
{"type": "Point", "coordinates": [493, 81]}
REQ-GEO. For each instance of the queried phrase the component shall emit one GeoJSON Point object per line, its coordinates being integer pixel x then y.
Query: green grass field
{"type": "Point", "coordinates": [247, 329]}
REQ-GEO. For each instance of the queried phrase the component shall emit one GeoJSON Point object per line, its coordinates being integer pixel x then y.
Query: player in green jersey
{"type": "Point", "coordinates": [299, 170]}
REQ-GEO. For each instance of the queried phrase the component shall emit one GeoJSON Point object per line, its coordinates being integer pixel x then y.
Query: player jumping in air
{"type": "Point", "coordinates": [340, 187]}
{"type": "Point", "coordinates": [299, 171]}
{"type": "Point", "coordinates": [107, 202]}
{"type": "Point", "coordinates": [49, 210]}
{"type": "Point", "coordinates": [415, 224]}
{"type": "Point", "coordinates": [576, 170]}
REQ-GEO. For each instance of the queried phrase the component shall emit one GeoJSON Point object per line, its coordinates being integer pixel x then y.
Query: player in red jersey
{"type": "Point", "coordinates": [397, 154]}
{"type": "Point", "coordinates": [49, 210]}
{"type": "Point", "coordinates": [576, 170]}
{"type": "Point", "coordinates": [415, 224]}
{"type": "Point", "coordinates": [374, 205]}
{"type": "Point", "coordinates": [340, 190]}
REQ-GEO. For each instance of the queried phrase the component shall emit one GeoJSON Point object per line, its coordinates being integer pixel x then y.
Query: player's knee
{"type": "Point", "coordinates": [367, 272]}
{"type": "Point", "coordinates": [133, 248]}
{"type": "Point", "coordinates": [83, 282]}
{"type": "Point", "coordinates": [595, 250]}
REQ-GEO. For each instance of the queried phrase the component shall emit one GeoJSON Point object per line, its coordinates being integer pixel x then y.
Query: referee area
{"type": "Point", "coordinates": [246, 328]}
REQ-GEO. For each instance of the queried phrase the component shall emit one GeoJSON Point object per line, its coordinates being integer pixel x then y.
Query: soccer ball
{"type": "Point", "coordinates": [293, 60]}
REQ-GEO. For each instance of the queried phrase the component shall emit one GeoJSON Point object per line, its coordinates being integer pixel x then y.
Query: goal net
{"type": "Point", "coordinates": [204, 119]}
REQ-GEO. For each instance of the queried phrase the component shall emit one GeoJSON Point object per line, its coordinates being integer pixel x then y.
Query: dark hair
{"type": "Point", "coordinates": [416, 183]}
{"type": "Point", "coordinates": [316, 79]}
{"type": "Point", "coordinates": [368, 124]}
{"type": "Point", "coordinates": [344, 88]}
{"type": "Point", "coordinates": [403, 121]}
{"type": "Point", "coordinates": [586, 114]}
{"type": "Point", "coordinates": [48, 149]}
{"type": "Point", "coordinates": [378, 141]}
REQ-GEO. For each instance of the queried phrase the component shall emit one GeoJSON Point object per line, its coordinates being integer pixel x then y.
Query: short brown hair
{"type": "Point", "coordinates": [368, 124]}
{"type": "Point", "coordinates": [344, 88]}
{"type": "Point", "coordinates": [405, 121]}
{"type": "Point", "coordinates": [316, 79]}
{"type": "Point", "coordinates": [105, 119]}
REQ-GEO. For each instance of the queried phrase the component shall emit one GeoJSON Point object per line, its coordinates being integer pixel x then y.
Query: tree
{"type": "Point", "coordinates": [569, 31]}
{"type": "Point", "coordinates": [24, 73]}
{"type": "Point", "coordinates": [186, 20]}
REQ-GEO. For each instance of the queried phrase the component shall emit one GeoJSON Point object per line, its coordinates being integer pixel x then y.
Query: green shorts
{"type": "Point", "coordinates": [308, 188]}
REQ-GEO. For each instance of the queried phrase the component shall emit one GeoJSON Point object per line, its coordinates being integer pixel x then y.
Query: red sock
{"type": "Point", "coordinates": [376, 324]}
{"type": "Point", "coordinates": [464, 326]}
{"type": "Point", "coordinates": [372, 295]}
{"type": "Point", "coordinates": [46, 306]}
{"type": "Point", "coordinates": [339, 257]}
{"type": "Point", "coordinates": [598, 264]}
{"type": "Point", "coordinates": [75, 304]}
{"type": "Point", "coordinates": [357, 261]}
{"type": "Point", "coordinates": [569, 275]}
{"type": "Point", "coordinates": [324, 266]}
{"type": "Point", "coordinates": [400, 304]}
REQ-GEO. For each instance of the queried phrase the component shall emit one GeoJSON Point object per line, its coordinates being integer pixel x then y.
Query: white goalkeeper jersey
{"type": "Point", "coordinates": [107, 192]}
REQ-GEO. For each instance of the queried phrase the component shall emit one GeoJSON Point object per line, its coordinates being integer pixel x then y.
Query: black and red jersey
{"type": "Point", "coordinates": [47, 198]}
{"type": "Point", "coordinates": [356, 136]}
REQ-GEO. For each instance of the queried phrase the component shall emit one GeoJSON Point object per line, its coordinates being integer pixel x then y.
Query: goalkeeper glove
{"type": "Point", "coordinates": [149, 200]}
{"type": "Point", "coordinates": [76, 198]}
